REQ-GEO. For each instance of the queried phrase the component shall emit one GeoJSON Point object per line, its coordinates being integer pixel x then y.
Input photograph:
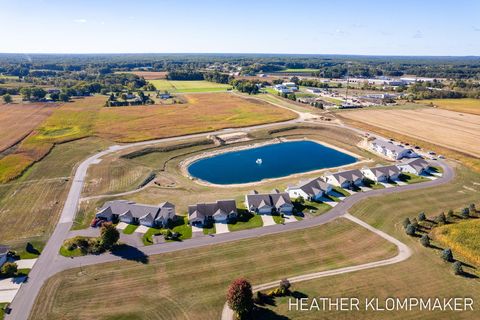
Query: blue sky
{"type": "Point", "coordinates": [244, 26]}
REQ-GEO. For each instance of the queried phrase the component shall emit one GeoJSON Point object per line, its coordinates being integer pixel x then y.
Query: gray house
{"type": "Point", "coordinates": [382, 173]}
{"type": "Point", "coordinates": [267, 203]}
{"type": "Point", "coordinates": [312, 189]}
{"type": "Point", "coordinates": [391, 150]}
{"type": "Point", "coordinates": [134, 213]}
{"type": "Point", "coordinates": [3, 254]}
{"type": "Point", "coordinates": [415, 166]}
{"type": "Point", "coordinates": [345, 179]}
{"type": "Point", "coordinates": [220, 211]}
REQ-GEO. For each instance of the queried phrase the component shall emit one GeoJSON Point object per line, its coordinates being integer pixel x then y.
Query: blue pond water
{"type": "Point", "coordinates": [278, 160]}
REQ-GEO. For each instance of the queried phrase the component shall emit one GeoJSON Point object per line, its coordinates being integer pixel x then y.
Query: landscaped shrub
{"type": "Point", "coordinates": [406, 222]}
{"type": "Point", "coordinates": [457, 268]}
{"type": "Point", "coordinates": [421, 216]}
{"type": "Point", "coordinates": [450, 214]}
{"type": "Point", "coordinates": [472, 208]}
{"type": "Point", "coordinates": [411, 230]}
{"type": "Point", "coordinates": [441, 219]}
{"type": "Point", "coordinates": [447, 255]}
{"type": "Point", "coordinates": [425, 241]}
{"type": "Point", "coordinates": [9, 269]}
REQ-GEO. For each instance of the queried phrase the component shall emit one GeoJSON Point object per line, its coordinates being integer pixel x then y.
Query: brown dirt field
{"type": "Point", "coordinates": [18, 120]}
{"type": "Point", "coordinates": [202, 112]}
{"type": "Point", "coordinates": [449, 129]}
{"type": "Point", "coordinates": [151, 75]}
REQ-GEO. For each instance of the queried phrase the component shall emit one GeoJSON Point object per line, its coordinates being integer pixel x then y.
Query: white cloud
{"type": "Point", "coordinates": [418, 35]}
{"type": "Point", "coordinates": [80, 20]}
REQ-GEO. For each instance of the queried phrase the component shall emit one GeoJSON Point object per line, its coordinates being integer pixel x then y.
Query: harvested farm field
{"type": "Point", "coordinates": [449, 129]}
{"type": "Point", "coordinates": [201, 113]}
{"type": "Point", "coordinates": [18, 120]}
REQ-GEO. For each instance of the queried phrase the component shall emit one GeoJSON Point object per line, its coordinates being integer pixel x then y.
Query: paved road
{"type": "Point", "coordinates": [50, 263]}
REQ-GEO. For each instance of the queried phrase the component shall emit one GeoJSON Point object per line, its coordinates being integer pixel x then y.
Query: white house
{"type": "Point", "coordinates": [345, 179]}
{"type": "Point", "coordinates": [312, 189]}
{"type": "Point", "coordinates": [314, 90]}
{"type": "Point", "coordinates": [416, 166]}
{"type": "Point", "coordinates": [133, 213]}
{"type": "Point", "coordinates": [220, 211]}
{"type": "Point", "coordinates": [268, 203]}
{"type": "Point", "coordinates": [382, 173]}
{"type": "Point", "coordinates": [3, 254]}
{"type": "Point", "coordinates": [283, 89]}
{"type": "Point", "coordinates": [391, 150]}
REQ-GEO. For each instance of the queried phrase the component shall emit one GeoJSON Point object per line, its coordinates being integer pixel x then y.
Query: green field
{"type": "Point", "coordinates": [188, 86]}
{"type": "Point", "coordinates": [191, 284]}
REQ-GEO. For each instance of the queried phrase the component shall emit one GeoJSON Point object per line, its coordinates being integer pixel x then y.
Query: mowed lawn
{"type": "Point", "coordinates": [18, 120]}
{"type": "Point", "coordinates": [459, 105]}
{"type": "Point", "coordinates": [422, 275]}
{"type": "Point", "coordinates": [201, 113]}
{"type": "Point", "coordinates": [188, 86]}
{"type": "Point", "coordinates": [191, 284]}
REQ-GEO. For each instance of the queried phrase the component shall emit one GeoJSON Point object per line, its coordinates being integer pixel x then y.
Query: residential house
{"type": "Point", "coordinates": [312, 189]}
{"type": "Point", "coordinates": [314, 90]}
{"type": "Point", "coordinates": [382, 173]}
{"type": "Point", "coordinates": [345, 179]}
{"type": "Point", "coordinates": [416, 166]}
{"type": "Point", "coordinates": [267, 203]}
{"type": "Point", "coordinates": [133, 213]}
{"type": "Point", "coordinates": [220, 211]}
{"type": "Point", "coordinates": [282, 89]}
{"type": "Point", "coordinates": [3, 254]}
{"type": "Point", "coordinates": [391, 150]}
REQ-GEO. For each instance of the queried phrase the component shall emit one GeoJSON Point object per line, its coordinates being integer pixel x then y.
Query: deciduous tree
{"type": "Point", "coordinates": [240, 297]}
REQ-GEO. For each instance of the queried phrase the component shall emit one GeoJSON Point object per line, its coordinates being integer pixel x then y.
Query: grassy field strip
{"type": "Point", "coordinates": [460, 105]}
{"type": "Point", "coordinates": [188, 86]}
{"type": "Point", "coordinates": [404, 253]}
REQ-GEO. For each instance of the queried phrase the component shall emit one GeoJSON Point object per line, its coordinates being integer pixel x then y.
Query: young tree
{"type": "Point", "coordinates": [447, 255]}
{"type": "Point", "coordinates": [7, 98]}
{"type": "Point", "coordinates": [441, 219]}
{"type": "Point", "coordinates": [421, 216]}
{"type": "Point", "coordinates": [465, 213]}
{"type": "Point", "coordinates": [9, 269]}
{"type": "Point", "coordinates": [457, 268]}
{"type": "Point", "coordinates": [415, 223]}
{"type": "Point", "coordinates": [285, 285]}
{"type": "Point", "coordinates": [63, 97]}
{"type": "Point", "coordinates": [406, 222]}
{"type": "Point", "coordinates": [240, 297]}
{"type": "Point", "coordinates": [411, 230]}
{"type": "Point", "coordinates": [425, 241]}
{"type": "Point", "coordinates": [109, 235]}
{"type": "Point", "coordinates": [472, 208]}
{"type": "Point", "coordinates": [450, 214]}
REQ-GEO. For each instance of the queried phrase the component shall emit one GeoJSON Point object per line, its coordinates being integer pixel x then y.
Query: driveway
{"type": "Point", "coordinates": [386, 184]}
{"type": "Point", "coordinates": [25, 263]}
{"type": "Point", "coordinates": [9, 288]}
{"type": "Point", "coordinates": [330, 202]}
{"type": "Point", "coordinates": [142, 229]}
{"type": "Point", "coordinates": [221, 228]}
{"type": "Point", "coordinates": [290, 218]}
{"type": "Point", "coordinates": [196, 229]}
{"type": "Point", "coordinates": [267, 220]}
{"type": "Point", "coordinates": [122, 225]}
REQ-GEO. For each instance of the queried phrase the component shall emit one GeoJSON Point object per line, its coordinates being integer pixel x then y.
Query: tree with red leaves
{"type": "Point", "coordinates": [240, 297]}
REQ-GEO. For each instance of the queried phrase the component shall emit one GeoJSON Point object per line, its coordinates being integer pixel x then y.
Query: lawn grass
{"type": "Point", "coordinates": [2, 309]}
{"type": "Point", "coordinates": [278, 219]}
{"type": "Point", "coordinates": [191, 284]}
{"type": "Point", "coordinates": [182, 227]}
{"type": "Point", "coordinates": [130, 229]}
{"type": "Point", "coordinates": [300, 70]}
{"type": "Point", "coordinates": [70, 253]}
{"type": "Point", "coordinates": [147, 237]}
{"type": "Point", "coordinates": [173, 86]}
{"type": "Point", "coordinates": [462, 237]}
{"type": "Point", "coordinates": [466, 105]}
{"type": "Point", "coordinates": [246, 221]}
{"type": "Point", "coordinates": [412, 178]}
{"type": "Point", "coordinates": [210, 229]}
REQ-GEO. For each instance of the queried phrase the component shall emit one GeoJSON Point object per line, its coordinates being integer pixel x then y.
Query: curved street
{"type": "Point", "coordinates": [50, 262]}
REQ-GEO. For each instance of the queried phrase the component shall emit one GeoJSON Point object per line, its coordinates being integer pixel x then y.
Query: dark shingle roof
{"type": "Point", "coordinates": [202, 210]}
